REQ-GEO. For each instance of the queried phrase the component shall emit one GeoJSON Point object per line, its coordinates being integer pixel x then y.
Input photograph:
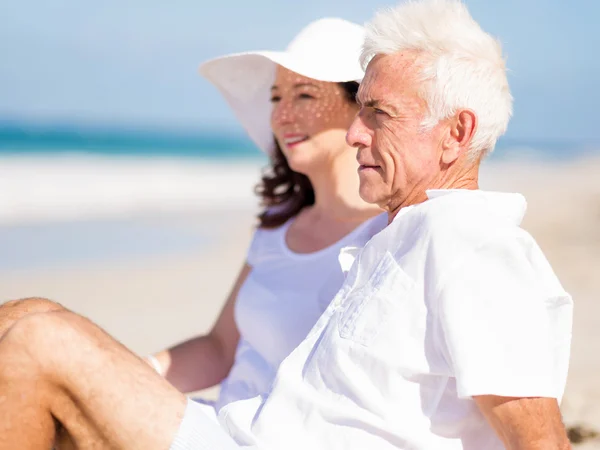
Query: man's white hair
{"type": "Point", "coordinates": [462, 66]}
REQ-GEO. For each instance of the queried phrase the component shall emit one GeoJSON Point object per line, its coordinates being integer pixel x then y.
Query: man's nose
{"type": "Point", "coordinates": [358, 134]}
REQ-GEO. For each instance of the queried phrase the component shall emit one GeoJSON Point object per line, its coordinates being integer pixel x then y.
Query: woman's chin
{"type": "Point", "coordinates": [303, 164]}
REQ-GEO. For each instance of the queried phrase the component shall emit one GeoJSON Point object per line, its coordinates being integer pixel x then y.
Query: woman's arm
{"type": "Point", "coordinates": [205, 361]}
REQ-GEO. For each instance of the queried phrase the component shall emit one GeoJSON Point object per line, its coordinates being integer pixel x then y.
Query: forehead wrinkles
{"type": "Point", "coordinates": [408, 69]}
{"type": "Point", "coordinates": [396, 80]}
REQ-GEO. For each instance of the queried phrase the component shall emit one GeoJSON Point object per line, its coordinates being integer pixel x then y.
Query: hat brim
{"type": "Point", "coordinates": [245, 80]}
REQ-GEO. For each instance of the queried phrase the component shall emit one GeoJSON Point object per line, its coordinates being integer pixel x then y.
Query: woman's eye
{"type": "Point", "coordinates": [275, 99]}
{"type": "Point", "coordinates": [379, 111]}
{"type": "Point", "coordinates": [304, 95]}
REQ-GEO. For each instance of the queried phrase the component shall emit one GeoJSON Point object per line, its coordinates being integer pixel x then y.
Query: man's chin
{"type": "Point", "coordinates": [368, 194]}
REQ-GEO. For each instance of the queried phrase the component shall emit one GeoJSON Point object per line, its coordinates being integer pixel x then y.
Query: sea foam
{"type": "Point", "coordinates": [75, 187]}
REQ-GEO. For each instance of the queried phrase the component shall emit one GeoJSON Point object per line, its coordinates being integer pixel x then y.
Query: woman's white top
{"type": "Point", "coordinates": [282, 298]}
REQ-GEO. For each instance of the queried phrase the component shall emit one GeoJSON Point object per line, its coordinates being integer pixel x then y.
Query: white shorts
{"type": "Point", "coordinates": [200, 430]}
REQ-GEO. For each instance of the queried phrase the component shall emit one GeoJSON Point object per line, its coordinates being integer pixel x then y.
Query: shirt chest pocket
{"type": "Point", "coordinates": [368, 307]}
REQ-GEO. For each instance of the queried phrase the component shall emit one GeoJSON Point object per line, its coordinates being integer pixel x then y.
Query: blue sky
{"type": "Point", "coordinates": [134, 62]}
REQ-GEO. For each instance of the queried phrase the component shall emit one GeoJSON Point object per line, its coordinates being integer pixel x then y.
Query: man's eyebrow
{"type": "Point", "coordinates": [375, 103]}
{"type": "Point", "coordinates": [297, 85]}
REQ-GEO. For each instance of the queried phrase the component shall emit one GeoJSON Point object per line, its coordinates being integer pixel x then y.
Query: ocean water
{"type": "Point", "coordinates": [69, 173]}
{"type": "Point", "coordinates": [24, 139]}
{"type": "Point", "coordinates": [72, 196]}
{"type": "Point", "coordinates": [69, 195]}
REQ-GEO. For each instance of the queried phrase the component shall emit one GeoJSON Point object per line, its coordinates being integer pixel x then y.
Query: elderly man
{"type": "Point", "coordinates": [450, 332]}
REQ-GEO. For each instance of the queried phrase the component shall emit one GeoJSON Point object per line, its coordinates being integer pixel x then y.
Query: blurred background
{"type": "Point", "coordinates": [126, 184]}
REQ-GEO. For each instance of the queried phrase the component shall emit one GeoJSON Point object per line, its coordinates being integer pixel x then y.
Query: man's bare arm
{"type": "Point", "coordinates": [525, 423]}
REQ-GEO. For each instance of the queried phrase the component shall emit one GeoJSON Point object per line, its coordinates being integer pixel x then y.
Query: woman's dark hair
{"type": "Point", "coordinates": [283, 191]}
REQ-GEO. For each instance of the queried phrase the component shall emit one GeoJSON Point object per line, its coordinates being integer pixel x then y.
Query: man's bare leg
{"type": "Point", "coordinates": [59, 368]}
{"type": "Point", "coordinates": [14, 310]}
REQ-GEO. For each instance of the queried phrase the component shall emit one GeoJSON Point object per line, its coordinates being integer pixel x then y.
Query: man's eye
{"type": "Point", "coordinates": [275, 99]}
{"type": "Point", "coordinates": [304, 95]}
{"type": "Point", "coordinates": [379, 111]}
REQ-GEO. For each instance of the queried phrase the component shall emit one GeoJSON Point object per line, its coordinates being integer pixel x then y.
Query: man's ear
{"type": "Point", "coordinates": [459, 134]}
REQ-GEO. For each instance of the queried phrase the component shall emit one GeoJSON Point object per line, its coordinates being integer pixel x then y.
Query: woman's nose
{"type": "Point", "coordinates": [283, 113]}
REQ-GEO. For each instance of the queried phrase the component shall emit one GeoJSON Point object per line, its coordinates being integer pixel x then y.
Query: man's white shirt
{"type": "Point", "coordinates": [449, 301]}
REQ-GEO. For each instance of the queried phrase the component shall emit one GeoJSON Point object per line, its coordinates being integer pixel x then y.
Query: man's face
{"type": "Point", "coordinates": [398, 160]}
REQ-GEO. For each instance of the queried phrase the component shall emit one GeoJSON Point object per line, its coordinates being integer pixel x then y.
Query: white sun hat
{"type": "Point", "coordinates": [325, 50]}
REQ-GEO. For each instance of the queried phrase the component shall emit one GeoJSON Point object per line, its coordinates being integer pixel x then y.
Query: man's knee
{"type": "Point", "coordinates": [30, 305]}
{"type": "Point", "coordinates": [15, 310]}
{"type": "Point", "coordinates": [22, 351]}
{"type": "Point", "coordinates": [52, 339]}
{"type": "Point", "coordinates": [40, 335]}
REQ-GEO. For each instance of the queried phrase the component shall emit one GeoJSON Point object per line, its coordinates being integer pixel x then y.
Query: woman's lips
{"type": "Point", "coordinates": [291, 140]}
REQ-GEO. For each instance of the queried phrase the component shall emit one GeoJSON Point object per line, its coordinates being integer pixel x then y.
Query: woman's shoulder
{"type": "Point", "coordinates": [266, 241]}
{"type": "Point", "coordinates": [269, 233]}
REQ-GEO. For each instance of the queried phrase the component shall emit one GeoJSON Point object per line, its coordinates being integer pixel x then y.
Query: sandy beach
{"type": "Point", "coordinates": [149, 303]}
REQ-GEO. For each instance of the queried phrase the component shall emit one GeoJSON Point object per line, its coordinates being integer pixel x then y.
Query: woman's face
{"type": "Point", "coordinates": [310, 119]}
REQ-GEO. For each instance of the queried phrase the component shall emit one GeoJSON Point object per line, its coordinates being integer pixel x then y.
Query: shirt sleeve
{"type": "Point", "coordinates": [496, 321]}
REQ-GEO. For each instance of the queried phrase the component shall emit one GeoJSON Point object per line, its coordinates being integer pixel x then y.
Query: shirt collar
{"type": "Point", "coordinates": [512, 206]}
